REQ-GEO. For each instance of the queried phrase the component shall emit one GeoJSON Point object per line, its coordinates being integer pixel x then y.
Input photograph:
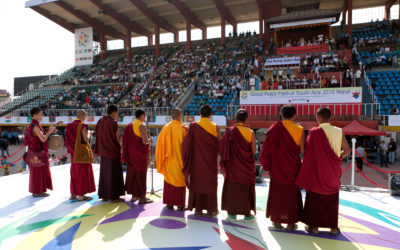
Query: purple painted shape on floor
{"type": "Point", "coordinates": [158, 209]}
{"type": "Point", "coordinates": [385, 237]}
{"type": "Point", "coordinates": [215, 220]}
{"type": "Point", "coordinates": [168, 224]}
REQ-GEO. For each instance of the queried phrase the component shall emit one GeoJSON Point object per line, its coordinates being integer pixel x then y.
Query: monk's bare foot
{"type": "Point", "coordinates": [73, 197]}
{"type": "Point", "coordinates": [117, 200]}
{"type": "Point", "coordinates": [291, 227]}
{"type": "Point", "coordinates": [43, 194]}
{"type": "Point", "coordinates": [212, 214]}
{"type": "Point", "coordinates": [198, 213]}
{"type": "Point", "coordinates": [334, 231]}
{"type": "Point", "coordinates": [83, 198]}
{"type": "Point", "coordinates": [170, 207]}
{"type": "Point", "coordinates": [134, 199]}
{"type": "Point", "coordinates": [145, 201]}
{"type": "Point", "coordinates": [312, 230]}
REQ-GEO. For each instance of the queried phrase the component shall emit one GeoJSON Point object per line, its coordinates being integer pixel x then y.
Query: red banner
{"type": "Point", "coordinates": [303, 49]}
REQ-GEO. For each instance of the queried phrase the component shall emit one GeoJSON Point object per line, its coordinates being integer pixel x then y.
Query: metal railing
{"type": "Point", "coordinates": [369, 111]}
{"type": "Point", "coordinates": [150, 111]}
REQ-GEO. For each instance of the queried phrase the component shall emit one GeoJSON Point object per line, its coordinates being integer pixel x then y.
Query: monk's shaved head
{"type": "Point", "coordinates": [80, 114]}
{"type": "Point", "coordinates": [324, 114]}
{"type": "Point", "coordinates": [176, 113]}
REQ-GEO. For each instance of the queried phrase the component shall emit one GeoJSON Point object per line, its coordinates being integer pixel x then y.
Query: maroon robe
{"type": "Point", "coordinates": [111, 181]}
{"type": "Point", "coordinates": [39, 177]}
{"type": "Point", "coordinates": [238, 165]}
{"type": "Point", "coordinates": [200, 167]}
{"type": "Point", "coordinates": [175, 196]}
{"type": "Point", "coordinates": [136, 156]}
{"type": "Point", "coordinates": [82, 179]}
{"type": "Point", "coordinates": [320, 177]}
{"type": "Point", "coordinates": [280, 155]}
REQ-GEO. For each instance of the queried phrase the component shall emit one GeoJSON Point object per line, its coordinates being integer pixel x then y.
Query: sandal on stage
{"type": "Point", "coordinates": [133, 200]}
{"type": "Point", "coordinates": [310, 231]}
{"type": "Point", "coordinates": [146, 201]}
{"type": "Point", "coordinates": [277, 226]}
{"type": "Point", "coordinates": [212, 215]}
{"type": "Point", "coordinates": [198, 213]}
{"type": "Point", "coordinates": [73, 197]}
{"type": "Point", "coordinates": [170, 207]}
{"type": "Point", "coordinates": [85, 198]}
{"type": "Point", "coordinates": [40, 195]}
{"type": "Point", "coordinates": [182, 208]}
{"type": "Point", "coordinates": [294, 228]}
{"type": "Point", "coordinates": [335, 234]}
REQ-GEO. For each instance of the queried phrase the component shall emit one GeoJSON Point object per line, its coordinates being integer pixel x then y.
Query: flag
{"type": "Point", "coordinates": [90, 119]}
{"type": "Point", "coordinates": [8, 119]}
{"type": "Point", "coordinates": [120, 119]}
{"type": "Point", "coordinates": [29, 119]}
{"type": "Point", "coordinates": [52, 119]}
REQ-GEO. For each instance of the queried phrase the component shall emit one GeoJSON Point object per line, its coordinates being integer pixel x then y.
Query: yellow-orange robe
{"type": "Point", "coordinates": [169, 162]}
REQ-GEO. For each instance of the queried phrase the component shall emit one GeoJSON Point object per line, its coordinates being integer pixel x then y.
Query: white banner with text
{"type": "Point", "coordinates": [320, 96]}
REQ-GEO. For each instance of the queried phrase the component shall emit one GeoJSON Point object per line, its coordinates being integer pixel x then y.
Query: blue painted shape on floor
{"type": "Point", "coordinates": [175, 248]}
{"type": "Point", "coordinates": [64, 240]}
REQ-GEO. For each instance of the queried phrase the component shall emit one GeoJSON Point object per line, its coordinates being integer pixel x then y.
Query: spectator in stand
{"type": "Point", "coordinates": [392, 151]}
{"type": "Point", "coordinates": [394, 110]}
{"type": "Point", "coordinates": [334, 82]}
{"type": "Point", "coordinates": [358, 77]}
{"type": "Point", "coordinates": [288, 71]}
{"type": "Point", "coordinates": [264, 84]}
{"type": "Point", "coordinates": [274, 73]}
{"type": "Point", "coordinates": [280, 74]}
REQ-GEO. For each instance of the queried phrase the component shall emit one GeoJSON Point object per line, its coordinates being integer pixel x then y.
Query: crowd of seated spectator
{"type": "Point", "coordinates": [218, 87]}
{"type": "Point", "coordinates": [89, 97]}
{"type": "Point", "coordinates": [157, 93]}
{"type": "Point", "coordinates": [320, 63]}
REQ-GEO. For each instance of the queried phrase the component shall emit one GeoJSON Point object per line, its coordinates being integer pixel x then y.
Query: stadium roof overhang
{"type": "Point", "coordinates": [114, 17]}
{"type": "Point", "coordinates": [306, 17]}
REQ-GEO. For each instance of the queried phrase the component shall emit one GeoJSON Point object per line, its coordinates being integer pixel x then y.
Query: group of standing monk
{"type": "Point", "coordinates": [318, 172]}
{"type": "Point", "coordinates": [188, 157]}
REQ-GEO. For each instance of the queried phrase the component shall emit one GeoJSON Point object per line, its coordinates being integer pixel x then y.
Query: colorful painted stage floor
{"type": "Point", "coordinates": [368, 220]}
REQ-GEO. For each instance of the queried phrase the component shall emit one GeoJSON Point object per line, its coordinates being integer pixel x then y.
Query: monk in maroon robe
{"type": "Point", "coordinates": [108, 146]}
{"type": "Point", "coordinates": [237, 149]}
{"type": "Point", "coordinates": [200, 163]}
{"type": "Point", "coordinates": [82, 179]}
{"type": "Point", "coordinates": [320, 174]}
{"type": "Point", "coordinates": [136, 154]}
{"type": "Point", "coordinates": [37, 140]}
{"type": "Point", "coordinates": [280, 156]}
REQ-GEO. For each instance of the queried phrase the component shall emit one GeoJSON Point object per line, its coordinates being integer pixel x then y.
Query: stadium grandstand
{"type": "Point", "coordinates": [308, 53]}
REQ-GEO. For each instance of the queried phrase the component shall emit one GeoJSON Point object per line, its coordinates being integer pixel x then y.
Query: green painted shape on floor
{"type": "Point", "coordinates": [10, 230]}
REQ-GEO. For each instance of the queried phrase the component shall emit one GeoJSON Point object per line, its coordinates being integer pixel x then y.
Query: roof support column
{"type": "Point", "coordinates": [103, 46]}
{"type": "Point", "coordinates": [222, 28]}
{"type": "Point", "coordinates": [150, 40]}
{"type": "Point", "coordinates": [387, 12]}
{"type": "Point", "coordinates": [350, 18]}
{"type": "Point", "coordinates": [176, 37]}
{"type": "Point", "coordinates": [204, 33]}
{"type": "Point", "coordinates": [261, 23]}
{"type": "Point", "coordinates": [157, 38]}
{"type": "Point", "coordinates": [188, 34]}
{"type": "Point", "coordinates": [127, 44]}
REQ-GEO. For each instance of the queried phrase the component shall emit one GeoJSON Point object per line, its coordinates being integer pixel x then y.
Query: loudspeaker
{"type": "Point", "coordinates": [394, 184]}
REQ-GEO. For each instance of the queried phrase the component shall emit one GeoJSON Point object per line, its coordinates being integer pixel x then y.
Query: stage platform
{"type": "Point", "coordinates": [369, 219]}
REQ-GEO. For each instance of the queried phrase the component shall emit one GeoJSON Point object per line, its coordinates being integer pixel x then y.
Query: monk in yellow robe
{"type": "Point", "coordinates": [169, 161]}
